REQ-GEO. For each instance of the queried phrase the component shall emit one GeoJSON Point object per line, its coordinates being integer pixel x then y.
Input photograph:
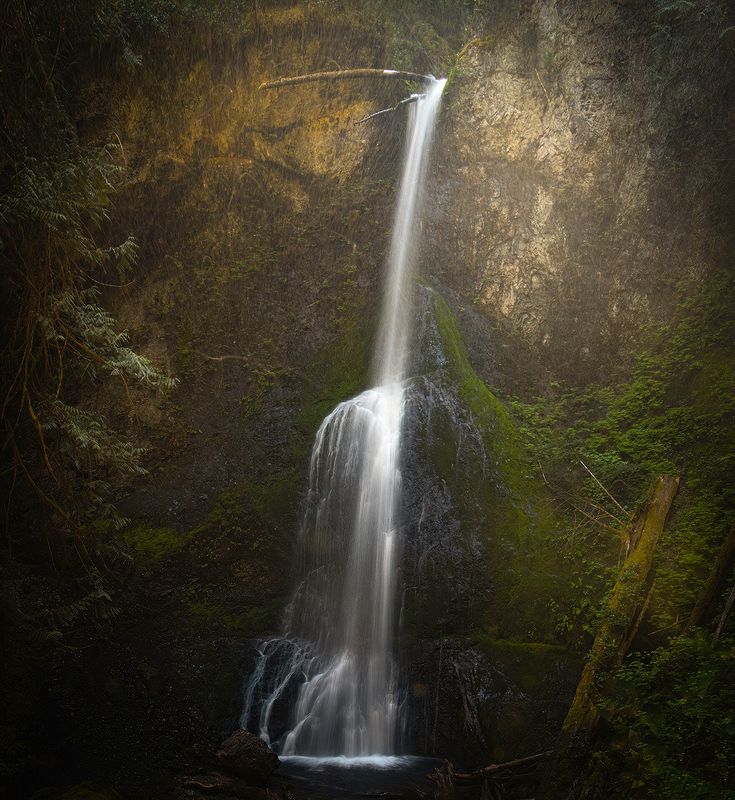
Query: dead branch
{"type": "Point", "coordinates": [635, 627]}
{"type": "Point", "coordinates": [347, 74]}
{"type": "Point", "coordinates": [506, 766]}
{"type": "Point", "coordinates": [604, 489]}
{"type": "Point", "coordinates": [412, 99]}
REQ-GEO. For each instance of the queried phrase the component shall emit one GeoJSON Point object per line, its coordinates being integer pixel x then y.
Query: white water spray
{"type": "Point", "coordinates": [345, 703]}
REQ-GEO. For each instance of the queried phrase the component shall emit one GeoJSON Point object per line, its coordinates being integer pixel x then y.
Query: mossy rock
{"type": "Point", "coordinates": [492, 555]}
{"type": "Point", "coordinates": [527, 664]}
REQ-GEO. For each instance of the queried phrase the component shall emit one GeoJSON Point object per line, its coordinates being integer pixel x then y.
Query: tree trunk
{"type": "Point", "coordinates": [717, 573]}
{"type": "Point", "coordinates": [725, 613]}
{"type": "Point", "coordinates": [625, 603]}
{"type": "Point", "coordinates": [347, 74]}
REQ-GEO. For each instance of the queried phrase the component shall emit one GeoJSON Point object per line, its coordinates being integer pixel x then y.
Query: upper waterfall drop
{"type": "Point", "coordinates": [392, 349]}
{"type": "Point", "coordinates": [337, 659]}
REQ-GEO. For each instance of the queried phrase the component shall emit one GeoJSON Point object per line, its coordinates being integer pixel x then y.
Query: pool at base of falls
{"type": "Point", "coordinates": [345, 777]}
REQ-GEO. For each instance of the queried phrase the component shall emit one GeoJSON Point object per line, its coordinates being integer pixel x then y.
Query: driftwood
{"type": "Point", "coordinates": [626, 605]}
{"type": "Point", "coordinates": [347, 74]}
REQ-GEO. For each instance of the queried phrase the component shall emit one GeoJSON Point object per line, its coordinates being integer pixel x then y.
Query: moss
{"type": "Point", "coordinates": [496, 493]}
{"type": "Point", "coordinates": [274, 498]}
{"type": "Point", "coordinates": [156, 544]}
{"type": "Point", "coordinates": [250, 622]}
{"type": "Point", "coordinates": [342, 367]}
{"type": "Point", "coordinates": [527, 664]}
{"type": "Point", "coordinates": [186, 354]}
{"type": "Point", "coordinates": [673, 414]}
{"type": "Point", "coordinates": [489, 413]}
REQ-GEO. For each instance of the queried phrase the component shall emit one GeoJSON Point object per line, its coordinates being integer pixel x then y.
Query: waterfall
{"type": "Point", "coordinates": [335, 667]}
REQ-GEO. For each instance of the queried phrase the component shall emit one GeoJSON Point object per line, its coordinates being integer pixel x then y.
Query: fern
{"type": "Point", "coordinates": [55, 197]}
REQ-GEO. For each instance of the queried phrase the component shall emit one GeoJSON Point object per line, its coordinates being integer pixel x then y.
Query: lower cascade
{"type": "Point", "coordinates": [328, 687]}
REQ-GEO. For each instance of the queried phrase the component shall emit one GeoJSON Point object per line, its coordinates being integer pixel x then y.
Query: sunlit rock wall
{"type": "Point", "coordinates": [574, 178]}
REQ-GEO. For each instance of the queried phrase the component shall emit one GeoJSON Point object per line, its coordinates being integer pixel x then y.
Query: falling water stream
{"type": "Point", "coordinates": [334, 672]}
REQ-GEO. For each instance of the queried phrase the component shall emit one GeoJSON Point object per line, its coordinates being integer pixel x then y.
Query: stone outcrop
{"type": "Point", "coordinates": [245, 755]}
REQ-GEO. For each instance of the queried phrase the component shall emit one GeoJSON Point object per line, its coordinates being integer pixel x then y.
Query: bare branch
{"type": "Point", "coordinates": [412, 99]}
{"type": "Point", "coordinates": [347, 74]}
{"type": "Point", "coordinates": [507, 765]}
{"type": "Point", "coordinates": [599, 483]}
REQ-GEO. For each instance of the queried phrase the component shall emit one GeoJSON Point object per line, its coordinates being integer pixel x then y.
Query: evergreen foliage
{"type": "Point", "coordinates": [674, 414]}
{"type": "Point", "coordinates": [673, 709]}
{"type": "Point", "coordinates": [55, 201]}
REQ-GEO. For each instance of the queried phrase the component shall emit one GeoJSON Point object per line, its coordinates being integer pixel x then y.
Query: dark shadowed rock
{"type": "Point", "coordinates": [245, 755]}
{"type": "Point", "coordinates": [218, 783]}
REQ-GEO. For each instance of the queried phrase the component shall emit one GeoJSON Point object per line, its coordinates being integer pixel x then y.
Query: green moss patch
{"type": "Point", "coordinates": [527, 664]}
{"type": "Point", "coordinates": [273, 499]}
{"type": "Point", "coordinates": [153, 545]}
{"type": "Point", "coordinates": [249, 622]}
{"type": "Point", "coordinates": [499, 494]}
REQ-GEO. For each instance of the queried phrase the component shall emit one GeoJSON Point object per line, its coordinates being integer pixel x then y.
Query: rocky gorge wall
{"type": "Point", "coordinates": [580, 178]}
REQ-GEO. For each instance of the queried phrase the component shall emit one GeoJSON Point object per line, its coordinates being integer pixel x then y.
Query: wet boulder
{"type": "Point", "coordinates": [245, 755]}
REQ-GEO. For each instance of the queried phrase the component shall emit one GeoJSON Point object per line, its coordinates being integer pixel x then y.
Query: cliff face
{"type": "Point", "coordinates": [580, 178]}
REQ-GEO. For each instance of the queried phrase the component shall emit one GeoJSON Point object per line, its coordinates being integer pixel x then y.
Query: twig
{"type": "Point", "coordinates": [599, 483]}
{"type": "Point", "coordinates": [665, 627]}
{"type": "Point", "coordinates": [226, 358]}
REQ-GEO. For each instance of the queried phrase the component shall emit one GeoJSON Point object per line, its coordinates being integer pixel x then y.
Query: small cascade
{"type": "Point", "coordinates": [332, 677]}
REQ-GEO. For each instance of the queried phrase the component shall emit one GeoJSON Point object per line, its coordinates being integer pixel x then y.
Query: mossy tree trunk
{"type": "Point", "coordinates": [722, 563]}
{"type": "Point", "coordinates": [625, 605]}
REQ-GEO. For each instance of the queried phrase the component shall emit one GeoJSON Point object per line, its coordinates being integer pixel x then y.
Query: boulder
{"type": "Point", "coordinates": [245, 755]}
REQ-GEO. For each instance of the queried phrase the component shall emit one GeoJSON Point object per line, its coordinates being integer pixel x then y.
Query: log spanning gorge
{"type": "Point", "coordinates": [328, 686]}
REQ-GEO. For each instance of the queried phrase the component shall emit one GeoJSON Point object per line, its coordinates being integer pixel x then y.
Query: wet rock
{"type": "Point", "coordinates": [245, 755]}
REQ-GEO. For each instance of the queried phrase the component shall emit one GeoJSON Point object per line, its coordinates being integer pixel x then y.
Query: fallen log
{"type": "Point", "coordinates": [626, 605]}
{"type": "Point", "coordinates": [625, 599]}
{"type": "Point", "coordinates": [506, 766]}
{"type": "Point", "coordinates": [347, 74]}
{"type": "Point", "coordinates": [487, 782]}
